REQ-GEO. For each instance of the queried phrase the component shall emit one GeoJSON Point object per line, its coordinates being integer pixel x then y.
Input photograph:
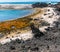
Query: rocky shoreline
{"type": "Point", "coordinates": [47, 43]}
{"type": "Point", "coordinates": [45, 39]}
{"type": "Point", "coordinates": [38, 20]}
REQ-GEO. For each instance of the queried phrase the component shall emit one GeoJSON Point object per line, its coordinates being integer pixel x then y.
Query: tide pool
{"type": "Point", "coordinates": [13, 14]}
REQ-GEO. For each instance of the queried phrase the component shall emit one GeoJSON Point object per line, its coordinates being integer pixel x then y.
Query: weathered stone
{"type": "Point", "coordinates": [37, 33]}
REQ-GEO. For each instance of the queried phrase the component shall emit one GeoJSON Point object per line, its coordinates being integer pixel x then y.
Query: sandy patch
{"type": "Point", "coordinates": [22, 36]}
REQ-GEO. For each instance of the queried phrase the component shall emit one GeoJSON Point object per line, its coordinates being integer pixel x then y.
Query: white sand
{"type": "Point", "coordinates": [49, 20]}
{"type": "Point", "coordinates": [23, 36]}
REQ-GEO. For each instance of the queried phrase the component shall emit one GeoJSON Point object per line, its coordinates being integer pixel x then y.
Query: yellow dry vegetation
{"type": "Point", "coordinates": [19, 23]}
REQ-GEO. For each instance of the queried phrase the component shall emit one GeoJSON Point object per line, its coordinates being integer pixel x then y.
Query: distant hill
{"type": "Point", "coordinates": [39, 4]}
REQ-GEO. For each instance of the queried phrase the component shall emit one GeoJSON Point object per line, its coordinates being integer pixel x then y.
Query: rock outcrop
{"type": "Point", "coordinates": [37, 33]}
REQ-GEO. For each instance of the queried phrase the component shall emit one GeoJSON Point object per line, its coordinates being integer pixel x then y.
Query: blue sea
{"type": "Point", "coordinates": [13, 14]}
{"type": "Point", "coordinates": [24, 2]}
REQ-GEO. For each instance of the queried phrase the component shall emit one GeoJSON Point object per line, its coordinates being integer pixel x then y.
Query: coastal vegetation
{"type": "Point", "coordinates": [13, 25]}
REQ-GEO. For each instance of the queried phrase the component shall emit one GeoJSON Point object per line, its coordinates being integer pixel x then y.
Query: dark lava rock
{"type": "Point", "coordinates": [58, 9]}
{"type": "Point", "coordinates": [37, 33]}
{"type": "Point", "coordinates": [50, 16]}
{"type": "Point", "coordinates": [49, 29]}
{"type": "Point", "coordinates": [58, 13]}
{"type": "Point", "coordinates": [18, 41]}
{"type": "Point", "coordinates": [35, 49]}
{"type": "Point", "coordinates": [48, 39]}
{"type": "Point", "coordinates": [12, 47]}
{"type": "Point", "coordinates": [47, 47]}
{"type": "Point", "coordinates": [39, 4]}
{"type": "Point", "coordinates": [56, 23]}
{"type": "Point", "coordinates": [46, 29]}
{"type": "Point", "coordinates": [48, 9]}
{"type": "Point", "coordinates": [45, 24]}
{"type": "Point", "coordinates": [36, 19]}
{"type": "Point", "coordinates": [45, 14]}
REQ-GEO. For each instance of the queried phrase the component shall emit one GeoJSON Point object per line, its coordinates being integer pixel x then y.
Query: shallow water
{"type": "Point", "coordinates": [13, 14]}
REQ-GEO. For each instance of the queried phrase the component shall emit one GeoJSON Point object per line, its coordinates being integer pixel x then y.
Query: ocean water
{"type": "Point", "coordinates": [13, 14]}
{"type": "Point", "coordinates": [26, 2]}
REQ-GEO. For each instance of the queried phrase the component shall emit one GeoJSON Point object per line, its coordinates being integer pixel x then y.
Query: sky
{"type": "Point", "coordinates": [28, 0]}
